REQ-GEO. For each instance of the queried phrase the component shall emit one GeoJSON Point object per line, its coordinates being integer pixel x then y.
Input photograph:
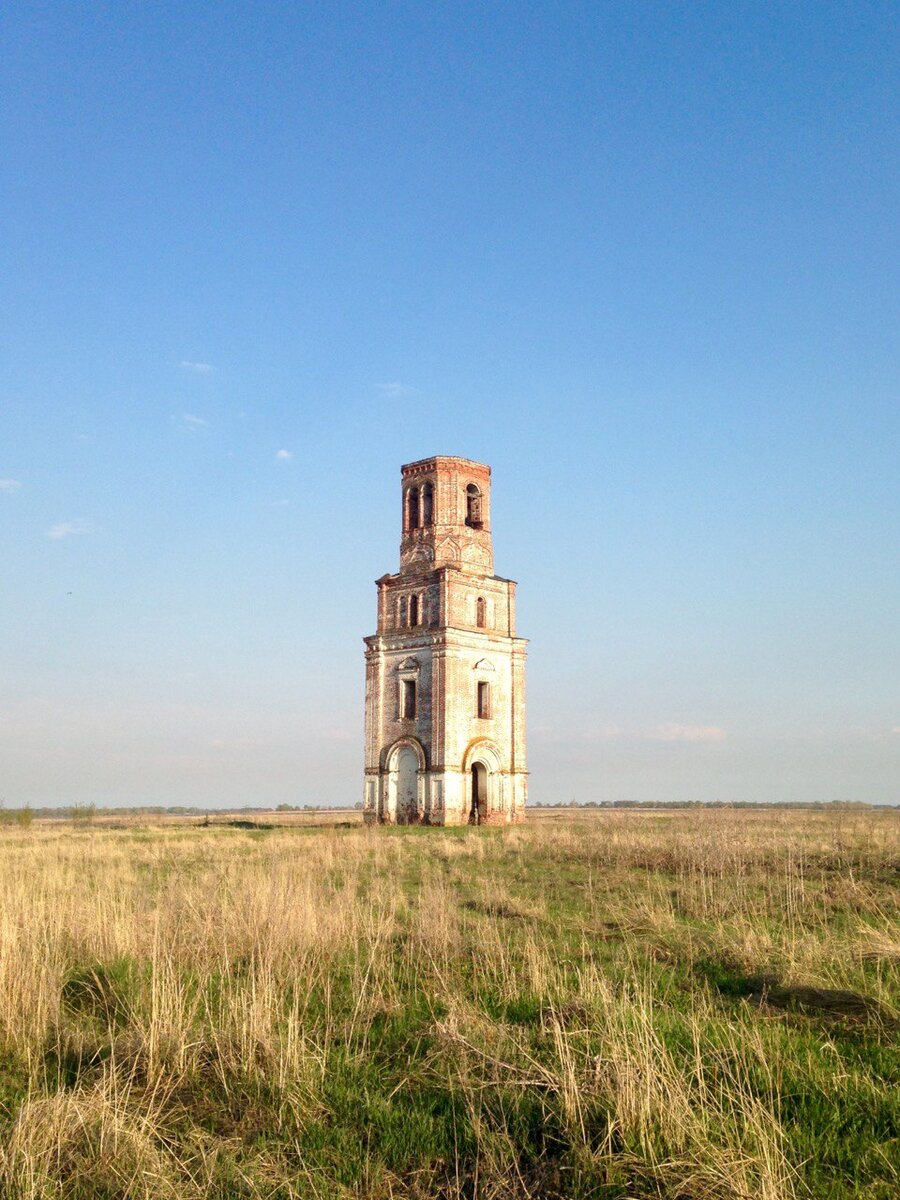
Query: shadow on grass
{"type": "Point", "coordinates": [766, 988]}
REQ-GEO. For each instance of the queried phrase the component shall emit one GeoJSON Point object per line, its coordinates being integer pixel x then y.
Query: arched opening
{"type": "Point", "coordinates": [478, 809]}
{"type": "Point", "coordinates": [427, 505]}
{"type": "Point", "coordinates": [479, 612]}
{"type": "Point", "coordinates": [414, 610]}
{"type": "Point", "coordinates": [403, 766]}
{"type": "Point", "coordinates": [407, 768]}
{"type": "Point", "coordinates": [412, 508]}
{"type": "Point", "coordinates": [473, 507]}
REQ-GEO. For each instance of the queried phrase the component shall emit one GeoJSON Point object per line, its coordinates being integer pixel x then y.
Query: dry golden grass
{"type": "Point", "coordinates": [617, 1004]}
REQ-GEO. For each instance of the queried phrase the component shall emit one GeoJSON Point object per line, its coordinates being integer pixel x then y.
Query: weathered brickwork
{"type": "Point", "coordinates": [445, 673]}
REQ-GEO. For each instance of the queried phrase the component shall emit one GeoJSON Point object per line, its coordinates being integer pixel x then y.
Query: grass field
{"type": "Point", "coordinates": [617, 1004]}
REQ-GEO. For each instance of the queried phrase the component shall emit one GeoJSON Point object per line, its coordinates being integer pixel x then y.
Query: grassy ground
{"type": "Point", "coordinates": [617, 1005]}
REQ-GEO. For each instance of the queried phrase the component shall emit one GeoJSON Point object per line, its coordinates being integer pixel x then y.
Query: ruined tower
{"type": "Point", "coordinates": [445, 673]}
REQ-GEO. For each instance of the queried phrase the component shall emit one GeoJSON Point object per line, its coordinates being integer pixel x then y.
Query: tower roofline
{"type": "Point", "coordinates": [422, 465]}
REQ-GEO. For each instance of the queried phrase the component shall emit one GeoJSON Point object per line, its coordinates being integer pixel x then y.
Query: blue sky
{"type": "Point", "coordinates": [640, 258]}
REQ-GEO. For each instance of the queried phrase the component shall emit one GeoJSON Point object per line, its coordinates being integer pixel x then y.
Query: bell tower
{"type": "Point", "coordinates": [445, 672]}
{"type": "Point", "coordinates": [446, 519]}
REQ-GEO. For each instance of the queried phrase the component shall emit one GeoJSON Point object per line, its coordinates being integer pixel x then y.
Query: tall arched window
{"type": "Point", "coordinates": [427, 505]}
{"type": "Point", "coordinates": [401, 616]}
{"type": "Point", "coordinates": [414, 610]}
{"type": "Point", "coordinates": [473, 507]}
{"type": "Point", "coordinates": [479, 612]}
{"type": "Point", "coordinates": [412, 508]}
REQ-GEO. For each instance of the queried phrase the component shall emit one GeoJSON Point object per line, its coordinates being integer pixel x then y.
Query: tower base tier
{"type": "Point", "coordinates": [476, 797]}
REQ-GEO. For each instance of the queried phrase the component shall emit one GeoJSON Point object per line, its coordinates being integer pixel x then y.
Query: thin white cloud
{"type": "Point", "coordinates": [895, 729]}
{"type": "Point", "coordinates": [395, 390]}
{"type": "Point", "coordinates": [283, 503]}
{"type": "Point", "coordinates": [863, 733]}
{"type": "Point", "coordinates": [670, 732]}
{"type": "Point", "coordinates": [66, 529]}
{"type": "Point", "coordinates": [235, 743]}
{"type": "Point", "coordinates": [201, 368]}
{"type": "Point", "coordinates": [192, 421]}
{"type": "Point", "coordinates": [284, 455]}
{"type": "Point", "coordinates": [9, 486]}
{"type": "Point", "coordinates": [590, 734]}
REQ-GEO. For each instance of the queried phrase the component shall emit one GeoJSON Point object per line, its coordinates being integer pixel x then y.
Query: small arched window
{"type": "Point", "coordinates": [473, 507]}
{"type": "Point", "coordinates": [479, 612]}
{"type": "Point", "coordinates": [414, 610]}
{"type": "Point", "coordinates": [412, 508]}
{"type": "Point", "coordinates": [427, 505]}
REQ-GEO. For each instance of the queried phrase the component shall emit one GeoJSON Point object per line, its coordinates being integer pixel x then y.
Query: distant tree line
{"type": "Point", "coordinates": [667, 804]}
{"type": "Point", "coordinates": [84, 814]}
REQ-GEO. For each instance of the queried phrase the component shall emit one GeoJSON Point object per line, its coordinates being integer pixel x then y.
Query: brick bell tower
{"type": "Point", "coordinates": [445, 673]}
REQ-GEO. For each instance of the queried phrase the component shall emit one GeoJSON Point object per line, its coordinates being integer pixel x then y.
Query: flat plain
{"type": "Point", "coordinates": [617, 1004]}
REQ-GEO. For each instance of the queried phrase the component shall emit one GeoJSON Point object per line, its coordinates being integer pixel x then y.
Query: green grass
{"type": "Point", "coordinates": [600, 1009]}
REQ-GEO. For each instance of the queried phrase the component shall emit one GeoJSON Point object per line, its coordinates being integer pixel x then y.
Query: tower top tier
{"type": "Point", "coordinates": [446, 516]}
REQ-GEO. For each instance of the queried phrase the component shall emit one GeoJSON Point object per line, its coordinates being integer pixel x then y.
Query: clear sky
{"type": "Point", "coordinates": [642, 258]}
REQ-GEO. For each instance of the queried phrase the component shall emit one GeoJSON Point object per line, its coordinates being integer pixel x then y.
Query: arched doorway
{"type": "Point", "coordinates": [478, 805]}
{"type": "Point", "coordinates": [407, 767]}
{"type": "Point", "coordinates": [403, 793]}
{"type": "Point", "coordinates": [483, 782]}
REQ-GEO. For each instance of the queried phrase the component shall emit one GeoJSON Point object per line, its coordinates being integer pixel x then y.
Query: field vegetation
{"type": "Point", "coordinates": [696, 1004]}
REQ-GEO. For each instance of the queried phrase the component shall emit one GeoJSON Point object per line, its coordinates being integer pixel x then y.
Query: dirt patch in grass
{"type": "Point", "coordinates": [494, 908]}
